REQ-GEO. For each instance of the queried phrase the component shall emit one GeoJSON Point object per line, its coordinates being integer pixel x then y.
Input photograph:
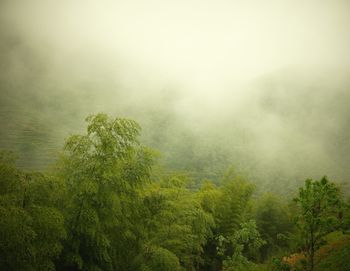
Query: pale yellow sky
{"type": "Point", "coordinates": [202, 45]}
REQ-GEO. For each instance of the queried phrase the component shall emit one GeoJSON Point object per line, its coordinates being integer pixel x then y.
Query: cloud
{"type": "Point", "coordinates": [260, 76]}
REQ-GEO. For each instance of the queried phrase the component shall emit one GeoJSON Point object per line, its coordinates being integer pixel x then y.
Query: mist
{"type": "Point", "coordinates": [262, 86]}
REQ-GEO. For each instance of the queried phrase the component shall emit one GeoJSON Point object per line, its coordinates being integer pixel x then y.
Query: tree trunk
{"type": "Point", "coordinates": [312, 252]}
{"type": "Point", "coordinates": [312, 255]}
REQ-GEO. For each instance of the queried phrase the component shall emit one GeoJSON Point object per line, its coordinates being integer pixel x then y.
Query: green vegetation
{"type": "Point", "coordinates": [239, 102]}
{"type": "Point", "coordinates": [108, 204]}
{"type": "Point", "coordinates": [321, 208]}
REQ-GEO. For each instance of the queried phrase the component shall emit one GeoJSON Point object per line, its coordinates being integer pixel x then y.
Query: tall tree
{"type": "Point", "coordinates": [176, 221]}
{"type": "Point", "coordinates": [31, 225]}
{"type": "Point", "coordinates": [103, 170]}
{"type": "Point", "coordinates": [229, 205]}
{"type": "Point", "coordinates": [320, 205]}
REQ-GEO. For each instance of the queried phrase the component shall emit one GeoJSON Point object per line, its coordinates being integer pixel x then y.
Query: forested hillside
{"type": "Point", "coordinates": [107, 204]}
{"type": "Point", "coordinates": [302, 125]}
{"type": "Point", "coordinates": [295, 116]}
{"type": "Point", "coordinates": [174, 135]}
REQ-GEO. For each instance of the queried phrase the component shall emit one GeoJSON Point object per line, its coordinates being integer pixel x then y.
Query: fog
{"type": "Point", "coordinates": [262, 86]}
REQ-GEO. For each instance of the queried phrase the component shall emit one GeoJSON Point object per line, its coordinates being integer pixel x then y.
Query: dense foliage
{"type": "Point", "coordinates": [107, 205]}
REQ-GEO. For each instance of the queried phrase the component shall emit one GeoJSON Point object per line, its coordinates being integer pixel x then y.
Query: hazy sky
{"type": "Point", "coordinates": [204, 46]}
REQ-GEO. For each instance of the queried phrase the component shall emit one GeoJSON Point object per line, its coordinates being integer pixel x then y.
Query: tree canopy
{"type": "Point", "coordinates": [107, 204]}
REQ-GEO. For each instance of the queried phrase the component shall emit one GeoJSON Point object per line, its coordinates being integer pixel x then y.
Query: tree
{"type": "Point", "coordinates": [275, 223]}
{"type": "Point", "coordinates": [346, 217]}
{"type": "Point", "coordinates": [241, 244]}
{"type": "Point", "coordinates": [31, 226]}
{"type": "Point", "coordinates": [209, 197]}
{"type": "Point", "coordinates": [103, 170]}
{"type": "Point", "coordinates": [156, 258]}
{"type": "Point", "coordinates": [175, 220]}
{"type": "Point", "coordinates": [229, 205]}
{"type": "Point", "coordinates": [233, 204]}
{"type": "Point", "coordinates": [320, 204]}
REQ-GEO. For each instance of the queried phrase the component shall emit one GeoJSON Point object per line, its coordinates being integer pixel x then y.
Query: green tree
{"type": "Point", "coordinates": [274, 222]}
{"type": "Point", "coordinates": [209, 197]}
{"type": "Point", "coordinates": [244, 242]}
{"type": "Point", "coordinates": [156, 258]}
{"type": "Point", "coordinates": [31, 226]}
{"type": "Point", "coordinates": [346, 217]}
{"type": "Point", "coordinates": [103, 170]}
{"type": "Point", "coordinates": [230, 205]}
{"type": "Point", "coordinates": [234, 203]}
{"type": "Point", "coordinates": [320, 204]}
{"type": "Point", "coordinates": [176, 221]}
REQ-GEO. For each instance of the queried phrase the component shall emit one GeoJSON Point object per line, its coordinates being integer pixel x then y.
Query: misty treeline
{"type": "Point", "coordinates": [294, 116]}
{"type": "Point", "coordinates": [108, 204]}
